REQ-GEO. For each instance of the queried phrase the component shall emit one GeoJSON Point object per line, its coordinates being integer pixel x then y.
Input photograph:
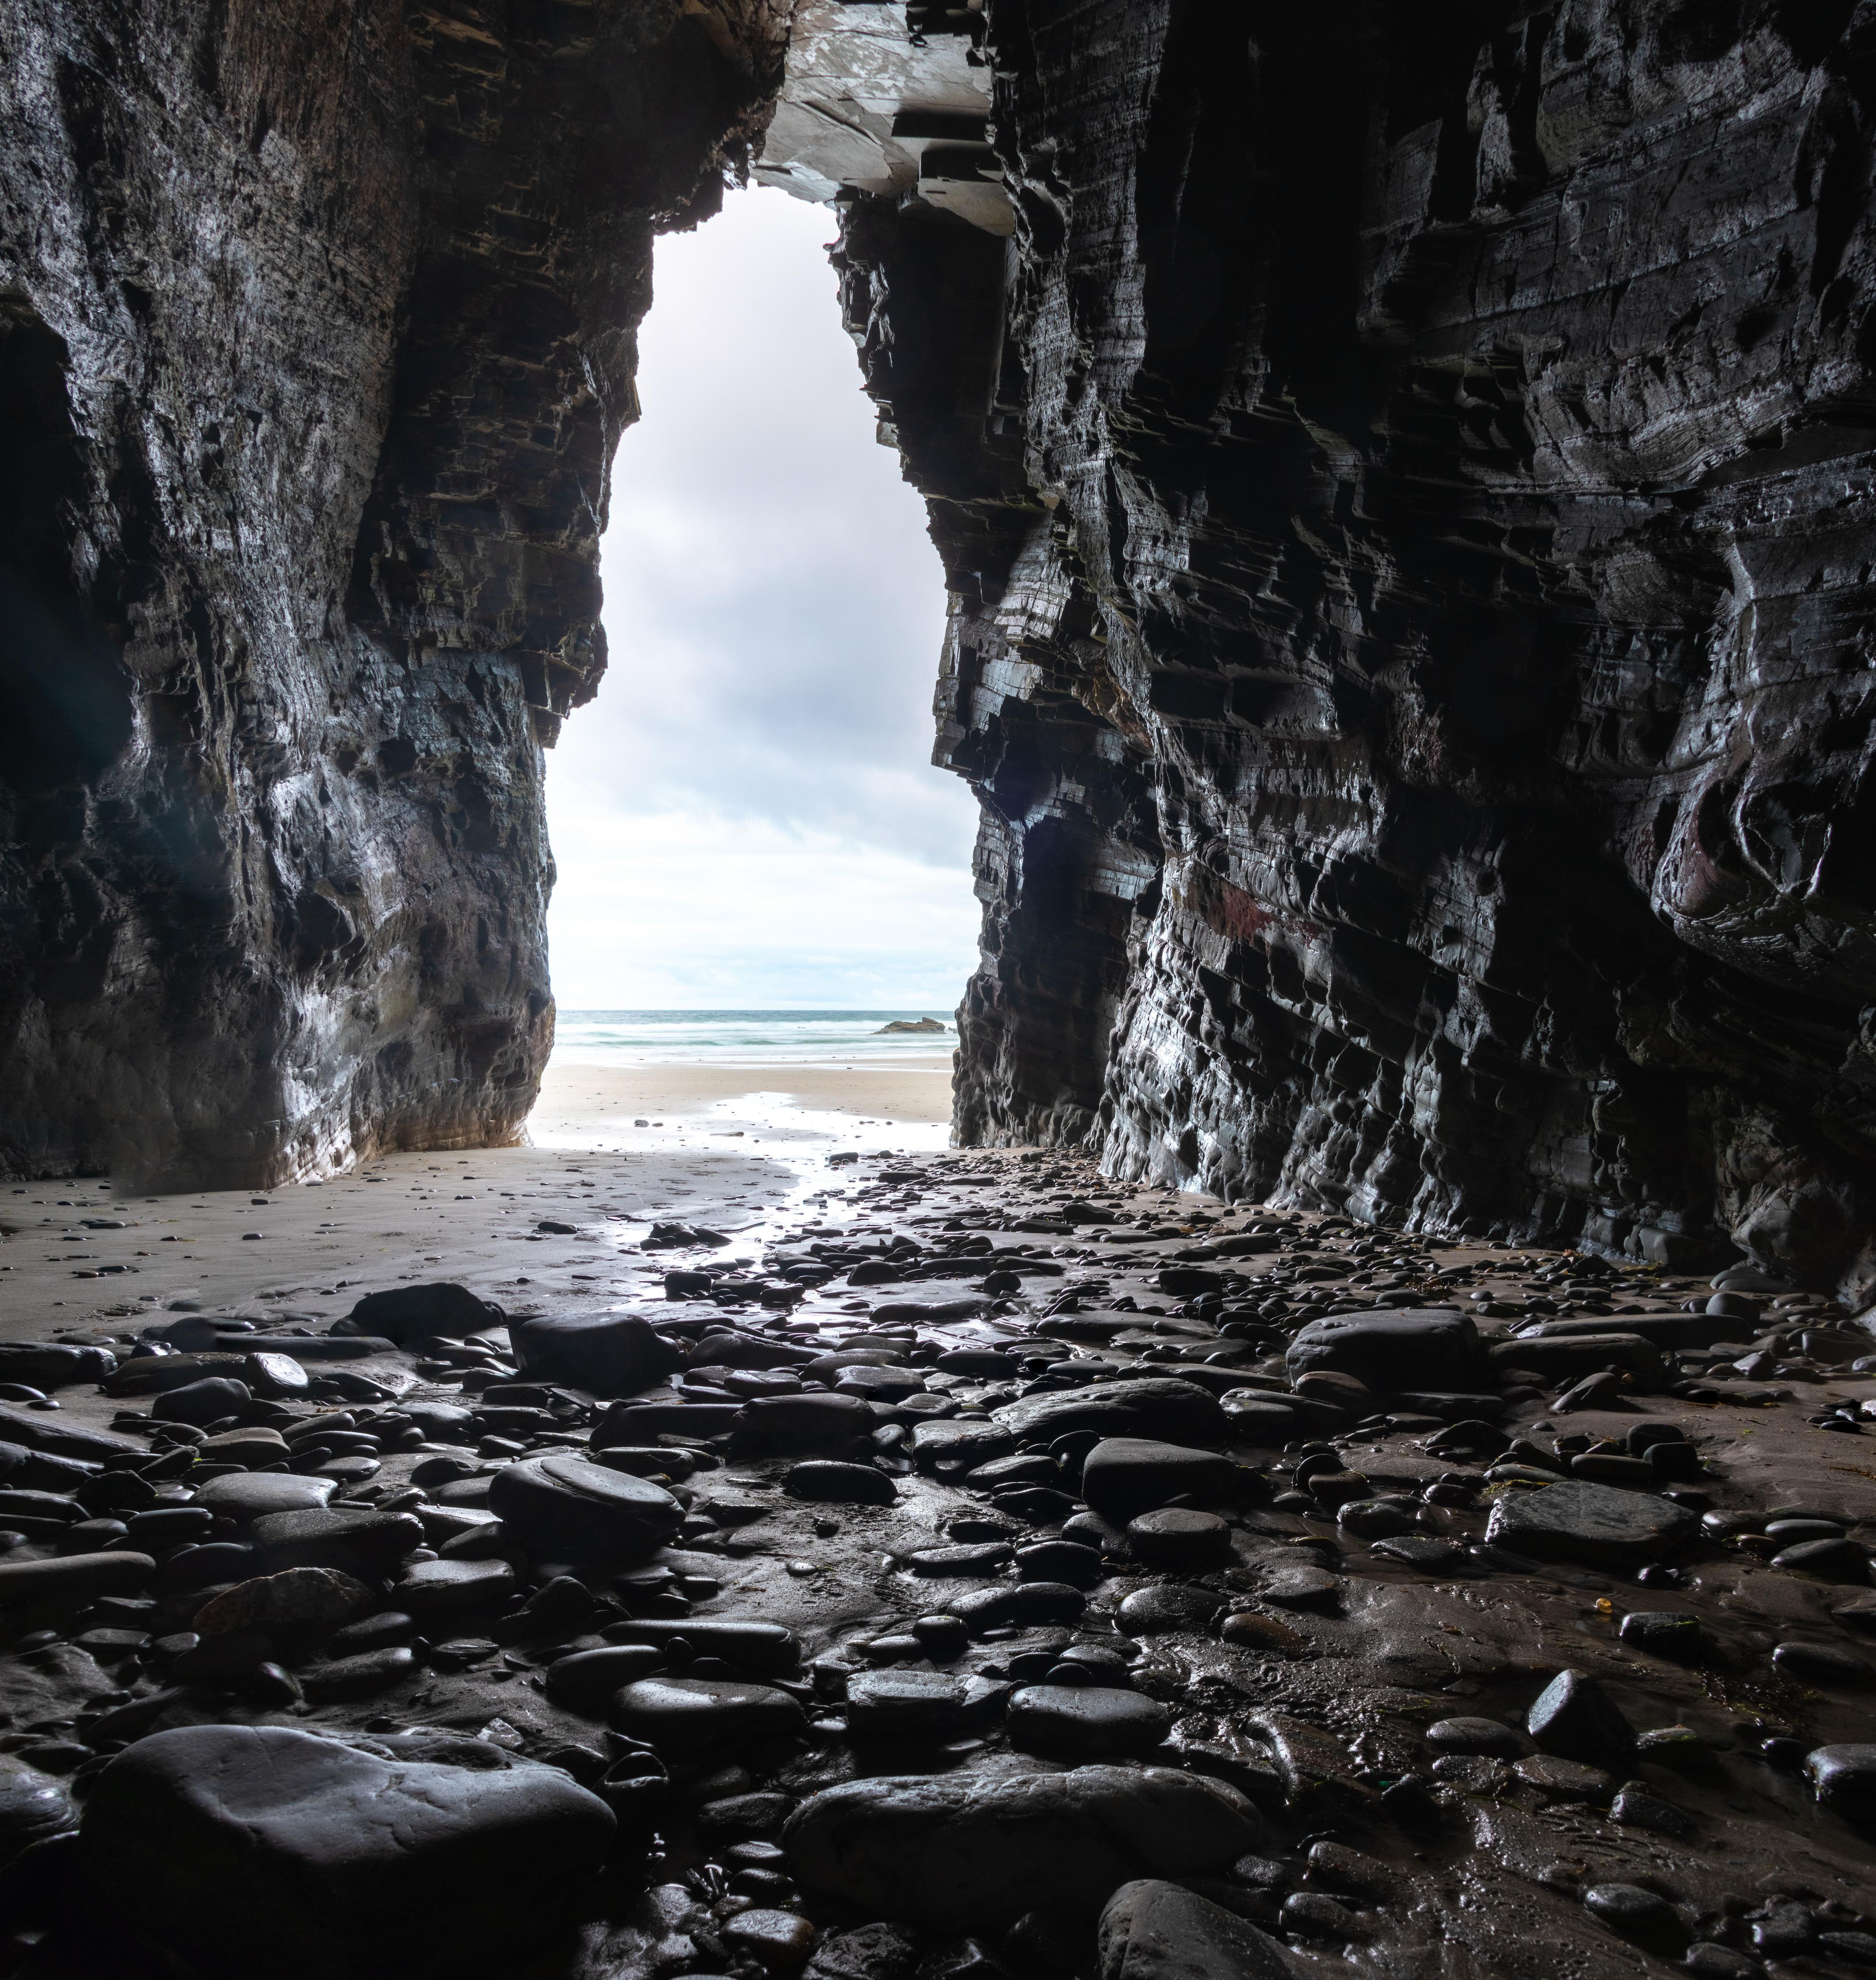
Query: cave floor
{"type": "Point", "coordinates": [1347, 1647]}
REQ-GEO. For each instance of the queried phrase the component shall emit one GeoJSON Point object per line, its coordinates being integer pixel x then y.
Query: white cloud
{"type": "Point", "coordinates": [747, 815]}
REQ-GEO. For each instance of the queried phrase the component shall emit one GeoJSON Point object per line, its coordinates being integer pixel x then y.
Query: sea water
{"type": "Point", "coordinates": [744, 1037]}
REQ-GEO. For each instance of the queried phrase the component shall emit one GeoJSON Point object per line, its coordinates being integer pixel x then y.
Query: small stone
{"type": "Point", "coordinates": [1060, 1560]}
{"type": "Point", "coordinates": [1575, 1717]}
{"type": "Point", "coordinates": [779, 1940]}
{"type": "Point", "coordinates": [1373, 1518]}
{"type": "Point", "coordinates": [340, 1538]}
{"type": "Point", "coordinates": [1426, 1554]}
{"type": "Point", "coordinates": [1664, 1633]}
{"type": "Point", "coordinates": [1487, 1736]}
{"type": "Point", "coordinates": [1175, 1537]}
{"type": "Point", "coordinates": [1564, 1780]}
{"type": "Point", "coordinates": [357, 1677]}
{"type": "Point", "coordinates": [1598, 1525]}
{"type": "Point", "coordinates": [75, 1577]}
{"type": "Point", "coordinates": [685, 1715]}
{"type": "Point", "coordinates": [245, 1499]}
{"type": "Point", "coordinates": [1086, 1722]}
{"type": "Point", "coordinates": [1154, 1611]}
{"type": "Point", "coordinates": [1822, 1663]}
{"type": "Point", "coordinates": [918, 1704]}
{"type": "Point", "coordinates": [1123, 1476]}
{"type": "Point", "coordinates": [1843, 1778]}
{"type": "Point", "coordinates": [1252, 1631]}
{"type": "Point", "coordinates": [975, 1561]}
{"type": "Point", "coordinates": [1635, 1808]}
{"type": "Point", "coordinates": [588, 1680]}
{"type": "Point", "coordinates": [1627, 1909]}
{"type": "Point", "coordinates": [1312, 1588]}
{"type": "Point", "coordinates": [310, 1598]}
{"type": "Point", "coordinates": [1842, 1561]}
{"type": "Point", "coordinates": [1720, 1963]}
{"type": "Point", "coordinates": [1315, 1915]}
{"type": "Point", "coordinates": [576, 1509]}
{"type": "Point", "coordinates": [434, 1589]}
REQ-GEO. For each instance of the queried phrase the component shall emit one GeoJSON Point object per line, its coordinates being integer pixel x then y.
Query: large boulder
{"type": "Point", "coordinates": [605, 1354]}
{"type": "Point", "coordinates": [570, 1508]}
{"type": "Point", "coordinates": [1432, 1347]}
{"type": "Point", "coordinates": [963, 1852]}
{"type": "Point", "coordinates": [419, 1312]}
{"type": "Point", "coordinates": [1157, 1406]}
{"type": "Point", "coordinates": [235, 1850]}
{"type": "Point", "coordinates": [1151, 1930]}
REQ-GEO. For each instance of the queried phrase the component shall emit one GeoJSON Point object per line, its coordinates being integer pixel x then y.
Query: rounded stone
{"type": "Point", "coordinates": [827, 1482]}
{"type": "Point", "coordinates": [1487, 1736]}
{"type": "Point", "coordinates": [575, 1509]}
{"type": "Point", "coordinates": [1844, 1779]}
{"type": "Point", "coordinates": [1176, 1536]}
{"type": "Point", "coordinates": [1085, 1722]}
{"type": "Point", "coordinates": [684, 1716]}
{"type": "Point", "coordinates": [781, 1940]}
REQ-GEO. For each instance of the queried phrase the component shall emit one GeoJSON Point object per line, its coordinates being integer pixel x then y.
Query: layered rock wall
{"type": "Point", "coordinates": [316, 337]}
{"type": "Point", "coordinates": [1411, 516]}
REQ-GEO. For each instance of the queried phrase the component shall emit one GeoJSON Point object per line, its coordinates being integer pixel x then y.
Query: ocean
{"type": "Point", "coordinates": [743, 1038]}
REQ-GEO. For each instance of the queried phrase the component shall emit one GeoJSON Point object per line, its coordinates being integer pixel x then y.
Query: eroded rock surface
{"type": "Point", "coordinates": [1405, 487]}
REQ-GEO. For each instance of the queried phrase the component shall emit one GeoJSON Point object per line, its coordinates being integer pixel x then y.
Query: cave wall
{"type": "Point", "coordinates": [1410, 517]}
{"type": "Point", "coordinates": [316, 335]}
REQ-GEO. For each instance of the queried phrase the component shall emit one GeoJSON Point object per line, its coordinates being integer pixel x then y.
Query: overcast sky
{"type": "Point", "coordinates": [748, 815]}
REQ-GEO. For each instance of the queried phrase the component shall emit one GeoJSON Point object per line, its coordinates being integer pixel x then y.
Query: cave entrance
{"type": "Point", "coordinates": [747, 818]}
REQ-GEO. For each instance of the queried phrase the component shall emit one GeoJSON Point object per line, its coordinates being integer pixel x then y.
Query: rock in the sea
{"type": "Point", "coordinates": [694, 1714]}
{"type": "Point", "coordinates": [232, 1849]}
{"type": "Point", "coordinates": [958, 1851]}
{"type": "Point", "coordinates": [1152, 1930]}
{"type": "Point", "coordinates": [1431, 1348]}
{"type": "Point", "coordinates": [416, 1313]}
{"type": "Point", "coordinates": [1123, 1476]}
{"type": "Point", "coordinates": [1599, 1525]}
{"type": "Point", "coordinates": [1153, 1406]}
{"type": "Point", "coordinates": [573, 1508]}
{"type": "Point", "coordinates": [1086, 1722]}
{"type": "Point", "coordinates": [607, 1354]}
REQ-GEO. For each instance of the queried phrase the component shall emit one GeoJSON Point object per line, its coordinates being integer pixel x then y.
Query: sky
{"type": "Point", "coordinates": [747, 816]}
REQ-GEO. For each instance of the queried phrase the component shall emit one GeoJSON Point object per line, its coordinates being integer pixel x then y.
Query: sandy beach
{"type": "Point", "coordinates": [593, 1106]}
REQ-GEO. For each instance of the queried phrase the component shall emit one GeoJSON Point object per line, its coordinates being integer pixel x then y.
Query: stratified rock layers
{"type": "Point", "coordinates": [317, 334]}
{"type": "Point", "coordinates": [1407, 489]}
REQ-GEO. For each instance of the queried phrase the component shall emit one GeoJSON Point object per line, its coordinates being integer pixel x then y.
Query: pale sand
{"type": "Point", "coordinates": [594, 1106]}
{"type": "Point", "coordinates": [317, 1248]}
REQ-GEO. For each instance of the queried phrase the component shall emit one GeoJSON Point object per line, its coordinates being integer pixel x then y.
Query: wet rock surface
{"type": "Point", "coordinates": [1047, 1695]}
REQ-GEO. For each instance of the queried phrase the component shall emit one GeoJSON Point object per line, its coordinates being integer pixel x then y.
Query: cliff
{"type": "Point", "coordinates": [316, 328]}
{"type": "Point", "coordinates": [1406, 487]}
{"type": "Point", "coordinates": [1403, 472]}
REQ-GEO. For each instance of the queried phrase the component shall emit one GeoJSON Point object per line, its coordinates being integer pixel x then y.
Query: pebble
{"type": "Point", "coordinates": [435, 1589]}
{"type": "Point", "coordinates": [1840, 1561]}
{"type": "Point", "coordinates": [1664, 1633]}
{"type": "Point", "coordinates": [777, 1939]}
{"type": "Point", "coordinates": [688, 1715]}
{"type": "Point", "coordinates": [1176, 1536]}
{"type": "Point", "coordinates": [576, 1510]}
{"type": "Point", "coordinates": [1599, 1526]}
{"type": "Point", "coordinates": [918, 1705]}
{"type": "Point", "coordinates": [1564, 1780]}
{"type": "Point", "coordinates": [1822, 1663]}
{"type": "Point", "coordinates": [1490, 1737]}
{"type": "Point", "coordinates": [1843, 1778]}
{"type": "Point", "coordinates": [1168, 1606]}
{"type": "Point", "coordinates": [1575, 1718]}
{"type": "Point", "coordinates": [354, 1542]}
{"type": "Point", "coordinates": [1085, 1722]}
{"type": "Point", "coordinates": [1628, 1908]}
{"type": "Point", "coordinates": [1122, 1476]}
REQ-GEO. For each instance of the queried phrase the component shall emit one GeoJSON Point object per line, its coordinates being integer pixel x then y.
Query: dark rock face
{"type": "Point", "coordinates": [1405, 489]}
{"type": "Point", "coordinates": [317, 333]}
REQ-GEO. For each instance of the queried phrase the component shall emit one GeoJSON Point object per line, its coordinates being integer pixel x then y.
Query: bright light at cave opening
{"type": "Point", "coordinates": [747, 817]}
